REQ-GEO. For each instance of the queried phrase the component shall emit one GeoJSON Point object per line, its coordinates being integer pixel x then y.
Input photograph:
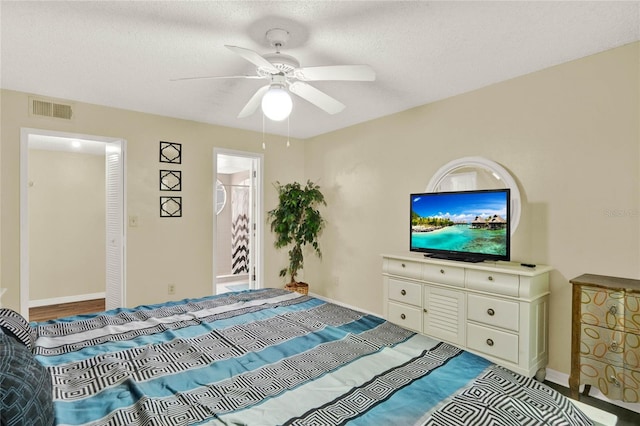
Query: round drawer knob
{"type": "Point", "coordinates": [403, 265]}
{"type": "Point", "coordinates": [403, 292]}
{"type": "Point", "coordinates": [403, 316]}
{"type": "Point", "coordinates": [613, 347]}
{"type": "Point", "coordinates": [613, 310]}
{"type": "Point", "coordinates": [442, 271]}
{"type": "Point", "coordinates": [490, 278]}
{"type": "Point", "coordinates": [491, 312]}
{"type": "Point", "coordinates": [489, 342]}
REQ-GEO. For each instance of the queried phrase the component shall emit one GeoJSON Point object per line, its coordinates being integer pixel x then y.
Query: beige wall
{"type": "Point", "coordinates": [66, 224]}
{"type": "Point", "coordinates": [160, 250]}
{"type": "Point", "coordinates": [568, 134]}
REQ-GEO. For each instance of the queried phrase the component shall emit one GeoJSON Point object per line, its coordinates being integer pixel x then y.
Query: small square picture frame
{"type": "Point", "coordinates": [170, 180]}
{"type": "Point", "coordinates": [170, 152]}
{"type": "Point", "coordinates": [170, 206]}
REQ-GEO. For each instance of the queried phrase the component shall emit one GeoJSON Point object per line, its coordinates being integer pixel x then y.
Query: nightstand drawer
{"type": "Point", "coordinates": [491, 311]}
{"type": "Point", "coordinates": [405, 316]}
{"type": "Point", "coordinates": [444, 275]}
{"type": "Point", "coordinates": [494, 282]}
{"type": "Point", "coordinates": [404, 268]}
{"type": "Point", "coordinates": [632, 313]}
{"type": "Point", "coordinates": [493, 342]}
{"type": "Point", "coordinates": [602, 344]}
{"type": "Point", "coordinates": [602, 307]}
{"type": "Point", "coordinates": [632, 352]}
{"type": "Point", "coordinates": [405, 292]}
{"type": "Point", "coordinates": [605, 377]}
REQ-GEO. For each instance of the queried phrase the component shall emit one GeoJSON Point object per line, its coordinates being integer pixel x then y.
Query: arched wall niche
{"type": "Point", "coordinates": [473, 173]}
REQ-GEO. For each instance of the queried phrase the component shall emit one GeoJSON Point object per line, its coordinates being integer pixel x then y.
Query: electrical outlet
{"type": "Point", "coordinates": [171, 289]}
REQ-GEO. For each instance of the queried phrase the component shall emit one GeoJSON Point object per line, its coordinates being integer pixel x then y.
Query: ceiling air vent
{"type": "Point", "coordinates": [46, 108]}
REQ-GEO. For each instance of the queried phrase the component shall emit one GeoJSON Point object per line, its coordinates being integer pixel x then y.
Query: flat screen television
{"type": "Point", "coordinates": [470, 226]}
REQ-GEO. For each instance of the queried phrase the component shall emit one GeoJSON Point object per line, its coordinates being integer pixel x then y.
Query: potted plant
{"type": "Point", "coordinates": [297, 222]}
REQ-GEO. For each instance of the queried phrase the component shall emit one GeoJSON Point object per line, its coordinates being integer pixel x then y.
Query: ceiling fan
{"type": "Point", "coordinates": [285, 75]}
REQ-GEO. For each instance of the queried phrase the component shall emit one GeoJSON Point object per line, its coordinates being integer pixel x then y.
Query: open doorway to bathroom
{"type": "Point", "coordinates": [237, 227]}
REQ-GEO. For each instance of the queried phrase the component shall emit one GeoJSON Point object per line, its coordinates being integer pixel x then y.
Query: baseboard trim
{"type": "Point", "coordinates": [66, 299]}
{"type": "Point", "coordinates": [345, 305]}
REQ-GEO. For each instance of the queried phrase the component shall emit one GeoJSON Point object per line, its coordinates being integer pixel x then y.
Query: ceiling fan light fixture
{"type": "Point", "coordinates": [277, 104]}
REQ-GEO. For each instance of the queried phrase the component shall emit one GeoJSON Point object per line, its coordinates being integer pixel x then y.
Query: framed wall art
{"type": "Point", "coordinates": [170, 180]}
{"type": "Point", "coordinates": [170, 152]}
{"type": "Point", "coordinates": [170, 206]}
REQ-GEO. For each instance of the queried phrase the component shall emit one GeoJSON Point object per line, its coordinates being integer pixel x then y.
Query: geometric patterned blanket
{"type": "Point", "coordinates": [271, 357]}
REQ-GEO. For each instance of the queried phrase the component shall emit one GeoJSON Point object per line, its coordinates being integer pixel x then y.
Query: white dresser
{"type": "Point", "coordinates": [499, 310]}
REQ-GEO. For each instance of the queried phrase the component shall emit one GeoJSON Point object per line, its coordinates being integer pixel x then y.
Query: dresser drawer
{"type": "Point", "coordinates": [405, 316]}
{"type": "Point", "coordinates": [492, 311]}
{"type": "Point", "coordinates": [602, 307]}
{"type": "Point", "coordinates": [632, 352]}
{"type": "Point", "coordinates": [602, 344]}
{"type": "Point", "coordinates": [444, 275]}
{"type": "Point", "coordinates": [404, 268]}
{"type": "Point", "coordinates": [496, 343]}
{"type": "Point", "coordinates": [494, 282]}
{"type": "Point", "coordinates": [631, 392]}
{"type": "Point", "coordinates": [605, 377]}
{"type": "Point", "coordinates": [405, 292]}
{"type": "Point", "coordinates": [632, 312]}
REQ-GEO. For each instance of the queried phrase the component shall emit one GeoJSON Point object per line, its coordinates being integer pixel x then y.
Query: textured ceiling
{"type": "Point", "coordinates": [124, 54]}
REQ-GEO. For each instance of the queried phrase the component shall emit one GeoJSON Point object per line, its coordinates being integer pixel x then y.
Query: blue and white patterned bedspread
{"type": "Point", "coordinates": [271, 357]}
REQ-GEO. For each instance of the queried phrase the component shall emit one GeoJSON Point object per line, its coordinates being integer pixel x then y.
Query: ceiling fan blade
{"type": "Point", "coordinates": [216, 77]}
{"type": "Point", "coordinates": [336, 72]}
{"type": "Point", "coordinates": [316, 97]}
{"type": "Point", "coordinates": [254, 58]}
{"type": "Point", "coordinates": [254, 102]}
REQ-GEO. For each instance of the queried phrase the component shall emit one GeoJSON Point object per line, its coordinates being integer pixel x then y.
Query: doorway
{"type": "Point", "coordinates": [237, 221]}
{"type": "Point", "coordinates": [72, 233]}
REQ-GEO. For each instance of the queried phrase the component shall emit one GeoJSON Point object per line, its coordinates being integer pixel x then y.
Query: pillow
{"type": "Point", "coordinates": [26, 393]}
{"type": "Point", "coordinates": [14, 324]}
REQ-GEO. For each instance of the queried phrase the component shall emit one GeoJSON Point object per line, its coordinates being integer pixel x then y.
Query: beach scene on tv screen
{"type": "Point", "coordinates": [462, 222]}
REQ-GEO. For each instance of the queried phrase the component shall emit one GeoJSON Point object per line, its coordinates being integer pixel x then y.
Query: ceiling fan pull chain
{"type": "Point", "coordinates": [264, 145]}
{"type": "Point", "coordinates": [288, 131]}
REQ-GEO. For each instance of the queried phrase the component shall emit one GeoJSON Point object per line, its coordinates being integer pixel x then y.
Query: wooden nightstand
{"type": "Point", "coordinates": [605, 341]}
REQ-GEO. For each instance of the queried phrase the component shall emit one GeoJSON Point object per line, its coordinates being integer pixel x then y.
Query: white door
{"type": "Point", "coordinates": [115, 229]}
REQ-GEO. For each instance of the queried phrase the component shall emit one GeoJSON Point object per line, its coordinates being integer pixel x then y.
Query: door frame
{"type": "Point", "coordinates": [119, 257]}
{"type": "Point", "coordinates": [256, 245]}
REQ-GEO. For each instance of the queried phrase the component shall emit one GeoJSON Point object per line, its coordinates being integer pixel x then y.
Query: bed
{"type": "Point", "coordinates": [273, 357]}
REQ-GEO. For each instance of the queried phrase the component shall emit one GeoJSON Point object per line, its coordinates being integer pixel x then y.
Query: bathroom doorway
{"type": "Point", "coordinates": [237, 222]}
